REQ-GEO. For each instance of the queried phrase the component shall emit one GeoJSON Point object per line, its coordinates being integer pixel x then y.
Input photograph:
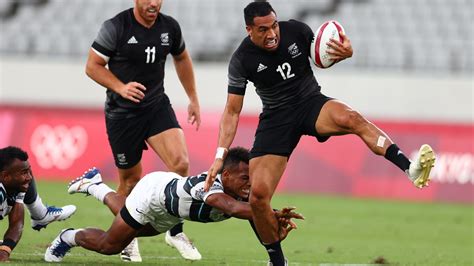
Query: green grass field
{"type": "Point", "coordinates": [336, 231]}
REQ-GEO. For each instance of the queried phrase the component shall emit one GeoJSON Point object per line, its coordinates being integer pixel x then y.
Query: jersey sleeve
{"type": "Point", "coordinates": [20, 197]}
{"type": "Point", "coordinates": [105, 43]}
{"type": "Point", "coordinates": [237, 77]}
{"type": "Point", "coordinates": [178, 43]}
{"type": "Point", "coordinates": [197, 190]}
{"type": "Point", "coordinates": [215, 188]}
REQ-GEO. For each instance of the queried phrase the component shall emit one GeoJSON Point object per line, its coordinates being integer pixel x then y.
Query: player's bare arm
{"type": "Point", "coordinates": [340, 50]}
{"type": "Point", "coordinates": [15, 229]}
{"type": "Point", "coordinates": [184, 69]}
{"type": "Point", "coordinates": [227, 130]}
{"type": "Point", "coordinates": [242, 210]}
{"type": "Point", "coordinates": [230, 206]}
{"type": "Point", "coordinates": [96, 70]}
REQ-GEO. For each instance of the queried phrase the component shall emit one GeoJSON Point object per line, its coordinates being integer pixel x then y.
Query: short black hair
{"type": "Point", "coordinates": [235, 156]}
{"type": "Point", "coordinates": [257, 9]}
{"type": "Point", "coordinates": [9, 154]}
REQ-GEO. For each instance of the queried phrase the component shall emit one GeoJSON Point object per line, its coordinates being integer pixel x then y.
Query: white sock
{"type": "Point", "coordinates": [69, 237]}
{"type": "Point", "coordinates": [37, 209]}
{"type": "Point", "coordinates": [99, 191]}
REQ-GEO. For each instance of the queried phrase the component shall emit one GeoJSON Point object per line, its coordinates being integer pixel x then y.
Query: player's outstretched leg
{"type": "Point", "coordinates": [337, 118]}
{"type": "Point", "coordinates": [420, 167]}
{"type": "Point", "coordinates": [182, 243]}
{"type": "Point", "coordinates": [90, 183]}
{"type": "Point", "coordinates": [58, 248]}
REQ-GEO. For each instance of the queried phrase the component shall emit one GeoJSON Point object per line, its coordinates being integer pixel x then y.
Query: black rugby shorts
{"type": "Point", "coordinates": [279, 131]}
{"type": "Point", "coordinates": [127, 136]}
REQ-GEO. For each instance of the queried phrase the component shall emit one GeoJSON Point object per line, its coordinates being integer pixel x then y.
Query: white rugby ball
{"type": "Point", "coordinates": [329, 30]}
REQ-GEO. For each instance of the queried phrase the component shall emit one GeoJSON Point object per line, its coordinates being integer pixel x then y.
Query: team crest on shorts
{"type": "Point", "coordinates": [122, 160]}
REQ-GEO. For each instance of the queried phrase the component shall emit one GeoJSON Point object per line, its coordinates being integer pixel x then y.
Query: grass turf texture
{"type": "Point", "coordinates": [336, 231]}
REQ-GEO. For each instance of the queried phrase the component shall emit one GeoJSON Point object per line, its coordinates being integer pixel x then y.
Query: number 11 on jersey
{"type": "Point", "coordinates": [150, 52]}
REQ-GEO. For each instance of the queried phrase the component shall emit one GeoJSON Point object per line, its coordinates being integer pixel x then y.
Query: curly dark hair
{"type": "Point", "coordinates": [235, 156]}
{"type": "Point", "coordinates": [9, 154]}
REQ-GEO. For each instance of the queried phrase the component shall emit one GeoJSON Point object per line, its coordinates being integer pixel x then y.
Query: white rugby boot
{"type": "Point", "coordinates": [131, 252]}
{"type": "Point", "coordinates": [82, 183]}
{"type": "Point", "coordinates": [53, 214]}
{"type": "Point", "coordinates": [185, 247]}
{"type": "Point", "coordinates": [420, 168]}
{"type": "Point", "coordinates": [58, 249]}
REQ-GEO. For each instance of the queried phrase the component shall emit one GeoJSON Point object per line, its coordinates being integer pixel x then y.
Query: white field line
{"type": "Point", "coordinates": [262, 262]}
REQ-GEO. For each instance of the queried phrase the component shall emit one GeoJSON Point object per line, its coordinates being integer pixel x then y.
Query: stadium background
{"type": "Point", "coordinates": [411, 74]}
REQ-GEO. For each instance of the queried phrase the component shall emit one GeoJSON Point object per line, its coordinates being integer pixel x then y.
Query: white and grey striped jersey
{"type": "Point", "coordinates": [7, 201]}
{"type": "Point", "coordinates": [185, 198]}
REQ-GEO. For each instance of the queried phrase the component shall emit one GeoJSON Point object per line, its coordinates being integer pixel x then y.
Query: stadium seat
{"type": "Point", "coordinates": [398, 28]}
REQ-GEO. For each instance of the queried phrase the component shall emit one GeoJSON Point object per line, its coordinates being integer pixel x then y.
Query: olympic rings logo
{"type": "Point", "coordinates": [58, 146]}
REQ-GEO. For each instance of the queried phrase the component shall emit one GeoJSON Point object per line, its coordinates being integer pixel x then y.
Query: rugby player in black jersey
{"type": "Point", "coordinates": [159, 201]}
{"type": "Point", "coordinates": [18, 188]}
{"type": "Point", "coordinates": [274, 56]}
{"type": "Point", "coordinates": [134, 45]}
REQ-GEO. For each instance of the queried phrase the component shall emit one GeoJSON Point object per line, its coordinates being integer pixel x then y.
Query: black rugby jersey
{"type": "Point", "coordinates": [137, 54]}
{"type": "Point", "coordinates": [283, 78]}
{"type": "Point", "coordinates": [8, 200]}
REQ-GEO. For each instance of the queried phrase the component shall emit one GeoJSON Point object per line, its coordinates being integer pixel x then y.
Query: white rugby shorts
{"type": "Point", "coordinates": [146, 202]}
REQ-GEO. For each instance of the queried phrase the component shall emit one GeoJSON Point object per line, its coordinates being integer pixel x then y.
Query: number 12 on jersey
{"type": "Point", "coordinates": [285, 67]}
{"type": "Point", "coordinates": [150, 54]}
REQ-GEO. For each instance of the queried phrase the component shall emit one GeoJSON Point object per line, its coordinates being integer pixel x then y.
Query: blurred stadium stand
{"type": "Point", "coordinates": [408, 35]}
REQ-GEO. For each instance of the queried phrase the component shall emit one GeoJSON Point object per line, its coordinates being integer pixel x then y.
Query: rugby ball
{"type": "Point", "coordinates": [329, 30]}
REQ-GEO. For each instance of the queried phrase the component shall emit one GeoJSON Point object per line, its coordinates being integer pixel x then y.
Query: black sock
{"type": "Point", "coordinates": [397, 157]}
{"type": "Point", "coordinates": [255, 231]}
{"type": "Point", "coordinates": [275, 253]}
{"type": "Point", "coordinates": [31, 194]}
{"type": "Point", "coordinates": [176, 229]}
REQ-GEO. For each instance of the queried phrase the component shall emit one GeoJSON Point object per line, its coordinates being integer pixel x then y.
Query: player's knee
{"type": "Point", "coordinates": [259, 198]}
{"type": "Point", "coordinates": [180, 166]}
{"type": "Point", "coordinates": [126, 185]}
{"type": "Point", "coordinates": [131, 182]}
{"type": "Point", "coordinates": [351, 120]}
{"type": "Point", "coordinates": [131, 177]}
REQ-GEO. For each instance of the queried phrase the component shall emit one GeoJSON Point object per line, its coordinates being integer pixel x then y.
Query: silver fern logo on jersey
{"type": "Point", "coordinates": [165, 39]}
{"type": "Point", "coordinates": [293, 50]}
{"type": "Point", "coordinates": [58, 146]}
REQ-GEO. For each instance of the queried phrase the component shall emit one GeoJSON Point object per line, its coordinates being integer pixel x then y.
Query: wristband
{"type": "Point", "coordinates": [9, 243]}
{"type": "Point", "coordinates": [220, 152]}
{"type": "Point", "coordinates": [7, 249]}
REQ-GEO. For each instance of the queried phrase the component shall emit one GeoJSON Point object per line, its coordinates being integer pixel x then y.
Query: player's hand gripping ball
{"type": "Point", "coordinates": [318, 51]}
